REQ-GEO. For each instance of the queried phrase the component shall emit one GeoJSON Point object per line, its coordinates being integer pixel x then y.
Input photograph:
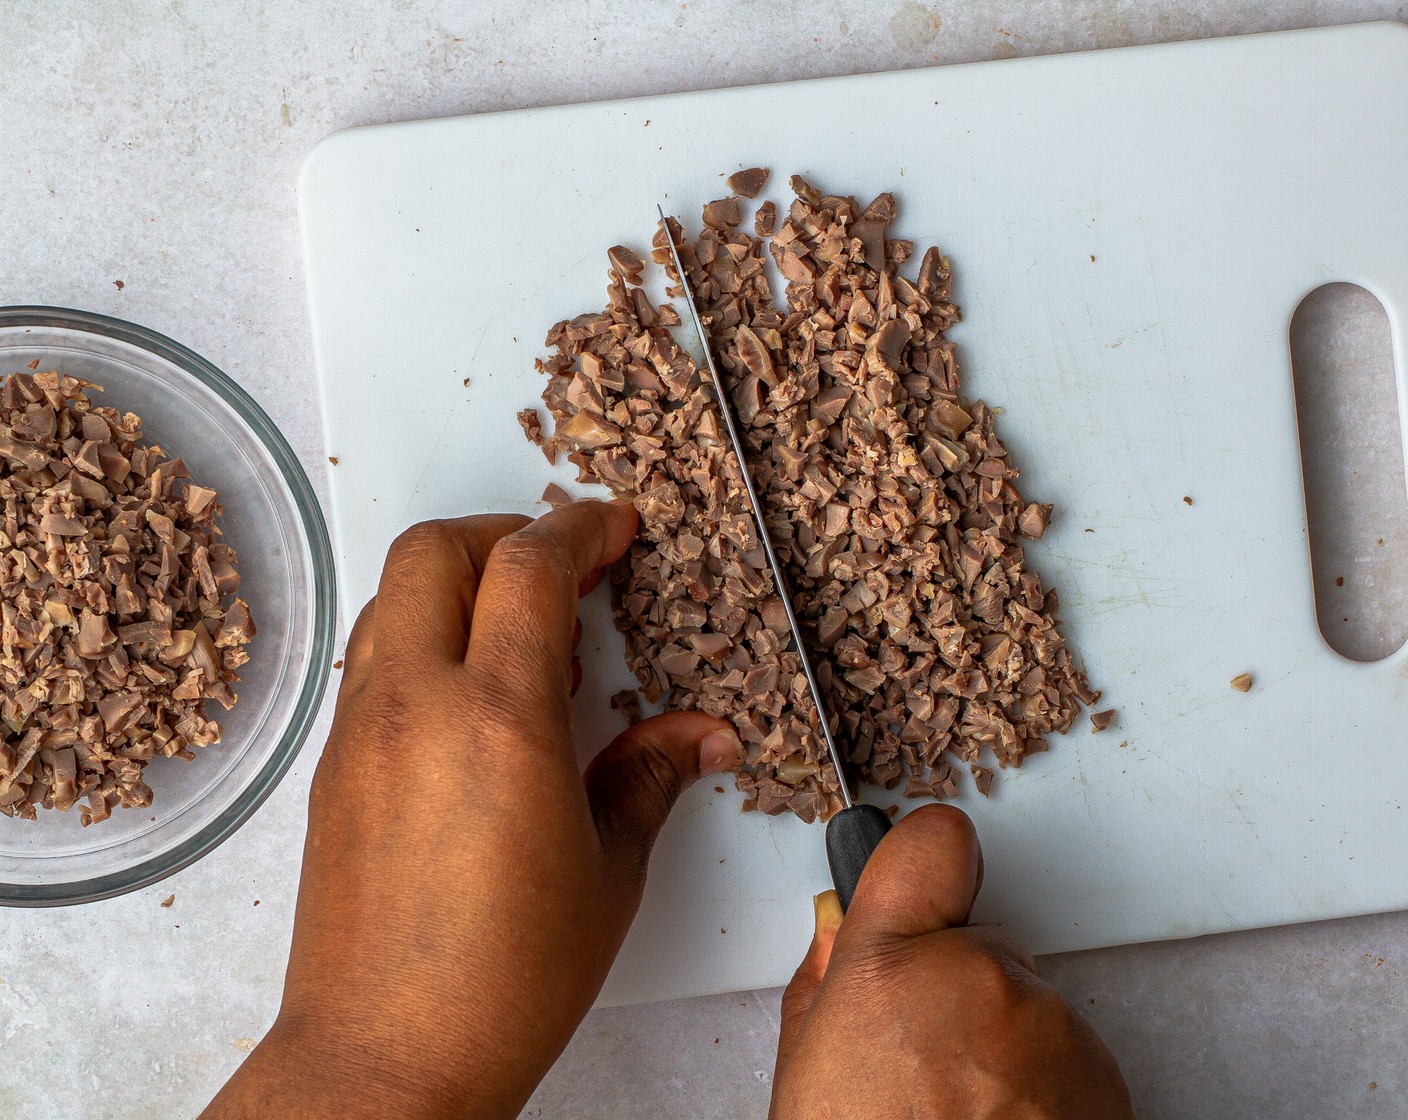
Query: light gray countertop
{"type": "Point", "coordinates": [157, 144]}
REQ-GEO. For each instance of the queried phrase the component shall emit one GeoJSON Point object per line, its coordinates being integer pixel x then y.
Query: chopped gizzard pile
{"type": "Point", "coordinates": [890, 500]}
{"type": "Point", "coordinates": [117, 615]}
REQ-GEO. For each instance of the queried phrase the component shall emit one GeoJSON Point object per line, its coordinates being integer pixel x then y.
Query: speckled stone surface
{"type": "Point", "coordinates": [158, 144]}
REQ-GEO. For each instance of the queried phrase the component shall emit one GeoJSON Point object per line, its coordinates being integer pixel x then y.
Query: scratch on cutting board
{"type": "Point", "coordinates": [1057, 351]}
{"type": "Point", "coordinates": [448, 415]}
{"type": "Point", "coordinates": [1143, 598]}
{"type": "Point", "coordinates": [1246, 818]}
{"type": "Point", "coordinates": [1201, 866]}
{"type": "Point", "coordinates": [429, 459]}
{"type": "Point", "coordinates": [1179, 770]}
{"type": "Point", "coordinates": [1036, 260]}
{"type": "Point", "coordinates": [1084, 786]}
{"type": "Point", "coordinates": [1130, 336]}
{"type": "Point", "coordinates": [1211, 700]}
{"type": "Point", "coordinates": [1201, 789]}
{"type": "Point", "coordinates": [1274, 860]}
{"type": "Point", "coordinates": [1115, 604]}
{"type": "Point", "coordinates": [695, 811]}
{"type": "Point", "coordinates": [489, 322]}
{"type": "Point", "coordinates": [1163, 336]}
{"type": "Point", "coordinates": [772, 839]}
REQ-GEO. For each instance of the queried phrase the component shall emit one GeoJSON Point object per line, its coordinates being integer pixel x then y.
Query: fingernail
{"type": "Point", "coordinates": [827, 908]}
{"type": "Point", "coordinates": [719, 751]}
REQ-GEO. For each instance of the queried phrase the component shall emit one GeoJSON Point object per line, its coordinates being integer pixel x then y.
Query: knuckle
{"type": "Point", "coordinates": [386, 707]}
{"type": "Point", "coordinates": [322, 777]}
{"type": "Point", "coordinates": [333, 776]}
{"type": "Point", "coordinates": [359, 638]}
{"type": "Point", "coordinates": [992, 973]}
{"type": "Point", "coordinates": [804, 982]}
{"type": "Point", "coordinates": [533, 555]}
{"type": "Point", "coordinates": [513, 732]}
{"type": "Point", "coordinates": [366, 617]}
{"type": "Point", "coordinates": [422, 538]}
{"type": "Point", "coordinates": [997, 982]}
{"type": "Point", "coordinates": [1055, 1012]}
{"type": "Point", "coordinates": [880, 965]}
{"type": "Point", "coordinates": [653, 774]}
{"type": "Point", "coordinates": [643, 784]}
{"type": "Point", "coordinates": [387, 721]}
{"type": "Point", "coordinates": [528, 725]}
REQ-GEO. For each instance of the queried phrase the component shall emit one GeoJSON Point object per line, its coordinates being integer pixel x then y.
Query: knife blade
{"type": "Point", "coordinates": [853, 833]}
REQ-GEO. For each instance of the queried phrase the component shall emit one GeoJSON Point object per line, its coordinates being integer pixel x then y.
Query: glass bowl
{"type": "Point", "coordinates": [273, 521]}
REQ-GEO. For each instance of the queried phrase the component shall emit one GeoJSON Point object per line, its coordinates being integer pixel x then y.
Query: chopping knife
{"type": "Point", "coordinates": [853, 833]}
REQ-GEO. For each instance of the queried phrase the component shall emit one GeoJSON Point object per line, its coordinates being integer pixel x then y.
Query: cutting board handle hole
{"type": "Point", "coordinates": [1356, 491]}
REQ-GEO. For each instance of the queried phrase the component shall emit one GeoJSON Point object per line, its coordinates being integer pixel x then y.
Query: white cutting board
{"type": "Point", "coordinates": [1131, 231]}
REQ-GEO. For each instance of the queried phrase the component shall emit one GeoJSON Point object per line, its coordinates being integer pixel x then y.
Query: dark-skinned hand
{"type": "Point", "coordinates": [465, 887]}
{"type": "Point", "coordinates": [905, 1010]}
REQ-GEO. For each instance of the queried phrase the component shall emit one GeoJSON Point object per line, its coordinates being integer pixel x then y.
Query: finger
{"type": "Point", "coordinates": [798, 995]}
{"type": "Point", "coordinates": [634, 782]}
{"type": "Point", "coordinates": [922, 878]}
{"type": "Point", "coordinates": [588, 585]}
{"type": "Point", "coordinates": [357, 658]}
{"type": "Point", "coordinates": [521, 649]}
{"type": "Point", "coordinates": [428, 585]}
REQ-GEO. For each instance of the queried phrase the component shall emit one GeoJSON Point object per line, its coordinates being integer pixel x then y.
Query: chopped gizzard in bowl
{"type": "Point", "coordinates": [890, 498]}
{"type": "Point", "coordinates": [118, 614]}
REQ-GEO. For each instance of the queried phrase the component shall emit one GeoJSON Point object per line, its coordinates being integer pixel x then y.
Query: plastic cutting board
{"type": "Point", "coordinates": [1131, 231]}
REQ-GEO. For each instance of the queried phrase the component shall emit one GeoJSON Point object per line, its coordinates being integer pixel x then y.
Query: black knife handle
{"type": "Point", "coordinates": [851, 835]}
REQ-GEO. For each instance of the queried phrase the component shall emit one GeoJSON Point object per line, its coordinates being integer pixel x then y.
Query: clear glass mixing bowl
{"type": "Point", "coordinates": [272, 520]}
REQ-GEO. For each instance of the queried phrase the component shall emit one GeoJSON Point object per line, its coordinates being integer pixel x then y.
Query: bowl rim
{"type": "Point", "coordinates": [324, 610]}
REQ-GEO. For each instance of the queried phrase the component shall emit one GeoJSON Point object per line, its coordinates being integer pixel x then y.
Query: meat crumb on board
{"type": "Point", "coordinates": [749, 182]}
{"type": "Point", "coordinates": [555, 496]}
{"type": "Point", "coordinates": [1242, 682]}
{"type": "Point", "coordinates": [627, 702]}
{"type": "Point", "coordinates": [890, 498]}
{"type": "Point", "coordinates": [532, 425]}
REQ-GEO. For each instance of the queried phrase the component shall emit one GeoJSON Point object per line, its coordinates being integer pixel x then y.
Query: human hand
{"type": "Point", "coordinates": [465, 889]}
{"type": "Point", "coordinates": [905, 1010]}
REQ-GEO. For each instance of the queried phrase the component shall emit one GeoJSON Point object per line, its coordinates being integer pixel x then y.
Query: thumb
{"type": "Point", "coordinates": [635, 781]}
{"type": "Point", "coordinates": [922, 878]}
{"type": "Point", "coordinates": [798, 996]}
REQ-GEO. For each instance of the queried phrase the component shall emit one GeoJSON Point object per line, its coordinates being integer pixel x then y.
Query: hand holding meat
{"type": "Point", "coordinates": [465, 888]}
{"type": "Point", "coordinates": [906, 1010]}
